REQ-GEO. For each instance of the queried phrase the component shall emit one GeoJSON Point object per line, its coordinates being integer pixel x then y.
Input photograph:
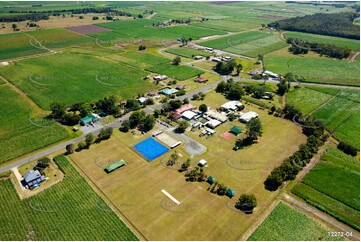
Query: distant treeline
{"type": "Point", "coordinates": [24, 17]}
{"type": "Point", "coordinates": [300, 46]}
{"type": "Point", "coordinates": [34, 15]}
{"type": "Point", "coordinates": [332, 24]}
{"type": "Point", "coordinates": [336, 5]}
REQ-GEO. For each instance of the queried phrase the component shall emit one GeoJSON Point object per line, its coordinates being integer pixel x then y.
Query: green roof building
{"type": "Point", "coordinates": [114, 166]}
{"type": "Point", "coordinates": [230, 192]}
{"type": "Point", "coordinates": [236, 130]}
{"type": "Point", "coordinates": [211, 180]}
{"type": "Point", "coordinates": [89, 119]}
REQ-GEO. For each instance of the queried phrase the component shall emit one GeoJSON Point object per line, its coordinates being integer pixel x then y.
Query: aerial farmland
{"type": "Point", "coordinates": [180, 121]}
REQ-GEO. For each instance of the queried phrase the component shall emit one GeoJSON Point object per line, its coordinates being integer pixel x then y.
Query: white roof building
{"type": "Point", "coordinates": [160, 77]}
{"type": "Point", "coordinates": [202, 162]}
{"type": "Point", "coordinates": [189, 115]}
{"type": "Point", "coordinates": [232, 105]}
{"type": "Point", "coordinates": [213, 123]}
{"type": "Point", "coordinates": [217, 115]}
{"type": "Point", "coordinates": [216, 59]}
{"type": "Point", "coordinates": [142, 99]}
{"type": "Point", "coordinates": [271, 74]}
{"type": "Point", "coordinates": [248, 116]}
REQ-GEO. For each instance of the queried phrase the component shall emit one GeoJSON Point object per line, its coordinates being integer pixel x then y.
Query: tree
{"type": "Point", "coordinates": [186, 101]}
{"type": "Point", "coordinates": [254, 127]}
{"type": "Point", "coordinates": [186, 164]}
{"type": "Point", "coordinates": [42, 163]}
{"type": "Point", "coordinates": [14, 26]}
{"type": "Point", "coordinates": [57, 110]}
{"type": "Point", "coordinates": [95, 18]}
{"type": "Point", "coordinates": [201, 95]}
{"type": "Point", "coordinates": [89, 139]}
{"type": "Point", "coordinates": [70, 148]}
{"type": "Point", "coordinates": [125, 126]}
{"type": "Point", "coordinates": [347, 149]}
{"type": "Point", "coordinates": [183, 125]}
{"type": "Point", "coordinates": [195, 97]}
{"type": "Point", "coordinates": [85, 109]}
{"type": "Point", "coordinates": [142, 47]}
{"type": "Point", "coordinates": [235, 92]}
{"type": "Point", "coordinates": [136, 118]}
{"type": "Point", "coordinates": [203, 108]}
{"type": "Point", "coordinates": [149, 122]}
{"type": "Point", "coordinates": [239, 68]}
{"type": "Point", "coordinates": [221, 190]}
{"type": "Point", "coordinates": [174, 104]}
{"type": "Point", "coordinates": [282, 88]}
{"type": "Point", "coordinates": [247, 202]}
{"type": "Point", "coordinates": [176, 61]}
{"type": "Point", "coordinates": [81, 145]}
{"type": "Point", "coordinates": [105, 134]}
{"type": "Point", "coordinates": [132, 104]}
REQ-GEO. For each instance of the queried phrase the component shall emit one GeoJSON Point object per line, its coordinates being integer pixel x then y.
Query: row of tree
{"type": "Point", "coordinates": [90, 139]}
{"type": "Point", "coordinates": [290, 167]}
{"type": "Point", "coordinates": [333, 24]}
{"type": "Point", "coordinates": [299, 46]}
{"type": "Point", "coordinates": [139, 119]}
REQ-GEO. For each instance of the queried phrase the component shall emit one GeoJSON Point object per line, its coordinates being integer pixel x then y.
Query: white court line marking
{"type": "Point", "coordinates": [171, 197]}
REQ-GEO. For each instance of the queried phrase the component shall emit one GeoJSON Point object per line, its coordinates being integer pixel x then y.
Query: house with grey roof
{"type": "Point", "coordinates": [32, 178]}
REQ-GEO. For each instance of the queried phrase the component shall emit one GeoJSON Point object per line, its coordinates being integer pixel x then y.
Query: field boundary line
{"type": "Point", "coordinates": [323, 104]}
{"type": "Point", "coordinates": [96, 189]}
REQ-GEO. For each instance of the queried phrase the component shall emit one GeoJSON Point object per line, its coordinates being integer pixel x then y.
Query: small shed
{"type": "Point", "coordinates": [236, 130]}
{"type": "Point", "coordinates": [211, 180]}
{"type": "Point", "coordinates": [202, 162]}
{"type": "Point", "coordinates": [114, 166]}
{"type": "Point", "coordinates": [230, 192]}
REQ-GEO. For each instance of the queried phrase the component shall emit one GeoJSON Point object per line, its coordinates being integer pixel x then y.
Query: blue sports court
{"type": "Point", "coordinates": [150, 149]}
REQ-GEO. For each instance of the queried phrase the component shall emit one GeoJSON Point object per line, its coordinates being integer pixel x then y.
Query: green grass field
{"type": "Point", "coordinates": [249, 43]}
{"type": "Point", "coordinates": [179, 72]}
{"type": "Point", "coordinates": [141, 57]}
{"type": "Point", "coordinates": [339, 111]}
{"type": "Point", "coordinates": [287, 224]}
{"type": "Point", "coordinates": [187, 52]}
{"type": "Point", "coordinates": [349, 43]}
{"type": "Point", "coordinates": [234, 40]}
{"type": "Point", "coordinates": [315, 69]}
{"type": "Point", "coordinates": [226, 25]}
{"type": "Point", "coordinates": [16, 45]}
{"type": "Point", "coordinates": [70, 210]}
{"type": "Point", "coordinates": [70, 78]}
{"type": "Point", "coordinates": [333, 185]}
{"type": "Point", "coordinates": [18, 127]}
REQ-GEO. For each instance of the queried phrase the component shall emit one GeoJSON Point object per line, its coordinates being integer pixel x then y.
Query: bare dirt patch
{"type": "Point", "coordinates": [88, 29]}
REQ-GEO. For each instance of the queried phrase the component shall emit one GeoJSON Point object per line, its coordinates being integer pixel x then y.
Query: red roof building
{"type": "Point", "coordinates": [202, 80]}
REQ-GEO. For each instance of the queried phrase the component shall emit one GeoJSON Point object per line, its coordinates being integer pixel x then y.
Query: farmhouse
{"type": "Point", "coordinates": [245, 118]}
{"type": "Point", "coordinates": [202, 162]}
{"type": "Point", "coordinates": [209, 49]}
{"type": "Point", "coordinates": [180, 87]}
{"type": "Point", "coordinates": [153, 93]}
{"type": "Point", "coordinates": [33, 178]}
{"type": "Point", "coordinates": [114, 166]}
{"type": "Point", "coordinates": [201, 80]}
{"type": "Point", "coordinates": [188, 115]}
{"type": "Point", "coordinates": [198, 57]}
{"type": "Point", "coordinates": [255, 72]}
{"type": "Point", "coordinates": [169, 91]}
{"type": "Point", "coordinates": [216, 115]}
{"type": "Point", "coordinates": [184, 108]}
{"type": "Point", "coordinates": [91, 118]}
{"type": "Point", "coordinates": [232, 105]}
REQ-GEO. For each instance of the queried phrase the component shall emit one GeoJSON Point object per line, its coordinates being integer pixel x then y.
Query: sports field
{"type": "Point", "coordinates": [22, 128]}
{"type": "Point", "coordinates": [179, 72]}
{"type": "Point", "coordinates": [70, 210]}
{"type": "Point", "coordinates": [338, 109]}
{"type": "Point", "coordinates": [70, 78]}
{"type": "Point", "coordinates": [333, 186]}
{"type": "Point", "coordinates": [314, 68]}
{"type": "Point", "coordinates": [206, 213]}
{"type": "Point", "coordinates": [287, 224]}
{"type": "Point", "coordinates": [342, 42]}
